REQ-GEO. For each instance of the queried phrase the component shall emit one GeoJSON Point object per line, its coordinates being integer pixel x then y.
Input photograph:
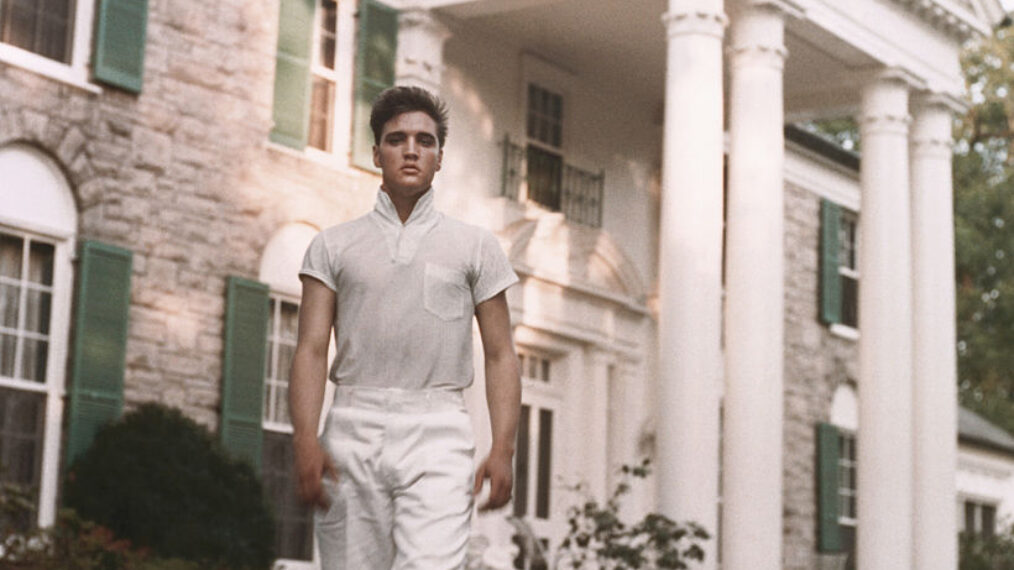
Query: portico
{"type": "Point", "coordinates": [720, 80]}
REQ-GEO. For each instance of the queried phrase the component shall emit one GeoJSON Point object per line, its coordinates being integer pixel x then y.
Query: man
{"type": "Point", "coordinates": [393, 473]}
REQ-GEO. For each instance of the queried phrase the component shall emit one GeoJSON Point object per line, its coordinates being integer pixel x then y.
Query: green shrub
{"type": "Point", "coordinates": [979, 552]}
{"type": "Point", "coordinates": [159, 480]}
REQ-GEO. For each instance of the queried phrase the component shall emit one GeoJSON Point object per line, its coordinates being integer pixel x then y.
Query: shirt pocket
{"type": "Point", "coordinates": [444, 292]}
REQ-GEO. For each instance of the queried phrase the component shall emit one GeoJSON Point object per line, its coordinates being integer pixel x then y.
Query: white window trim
{"type": "Point", "coordinates": [538, 394]}
{"type": "Point", "coordinates": [842, 519]}
{"type": "Point", "coordinates": [55, 384]}
{"type": "Point", "coordinates": [75, 73]}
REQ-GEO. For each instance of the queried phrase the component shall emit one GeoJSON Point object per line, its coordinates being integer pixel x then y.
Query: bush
{"type": "Point", "coordinates": [598, 538]}
{"type": "Point", "coordinates": [979, 552]}
{"type": "Point", "coordinates": [159, 480]}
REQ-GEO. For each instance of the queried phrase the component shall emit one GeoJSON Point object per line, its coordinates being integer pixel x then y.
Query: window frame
{"type": "Point", "coordinates": [54, 386]}
{"type": "Point", "coordinates": [978, 506]}
{"type": "Point", "coordinates": [343, 75]}
{"type": "Point", "coordinates": [548, 77]}
{"type": "Point", "coordinates": [539, 395]}
{"type": "Point", "coordinates": [77, 72]}
{"type": "Point", "coordinates": [849, 217]}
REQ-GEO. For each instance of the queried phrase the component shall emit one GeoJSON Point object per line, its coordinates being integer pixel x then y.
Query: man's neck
{"type": "Point", "coordinates": [403, 204]}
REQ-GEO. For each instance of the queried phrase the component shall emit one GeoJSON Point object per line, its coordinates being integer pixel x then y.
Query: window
{"type": "Point", "coordinates": [533, 467]}
{"type": "Point", "coordinates": [848, 268]}
{"type": "Point", "coordinates": [293, 520]}
{"type": "Point", "coordinates": [324, 77]}
{"type": "Point", "coordinates": [980, 518]}
{"type": "Point", "coordinates": [54, 37]}
{"type": "Point", "coordinates": [839, 266]}
{"type": "Point", "coordinates": [544, 151]}
{"type": "Point", "coordinates": [26, 297]}
{"type": "Point", "coordinates": [334, 57]}
{"type": "Point", "coordinates": [44, 27]}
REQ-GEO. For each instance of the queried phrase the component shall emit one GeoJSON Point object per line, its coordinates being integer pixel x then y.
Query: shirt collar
{"type": "Point", "coordinates": [422, 212]}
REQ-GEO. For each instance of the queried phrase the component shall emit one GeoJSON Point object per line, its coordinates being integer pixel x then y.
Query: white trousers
{"type": "Point", "coordinates": [403, 499]}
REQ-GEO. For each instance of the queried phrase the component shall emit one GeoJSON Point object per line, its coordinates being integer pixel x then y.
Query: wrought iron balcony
{"type": "Point", "coordinates": [535, 174]}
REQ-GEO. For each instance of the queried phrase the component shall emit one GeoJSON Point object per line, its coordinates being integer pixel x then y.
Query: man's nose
{"type": "Point", "coordinates": [411, 147]}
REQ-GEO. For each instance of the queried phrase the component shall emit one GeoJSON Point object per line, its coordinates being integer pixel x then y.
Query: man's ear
{"type": "Point", "coordinates": [376, 156]}
{"type": "Point", "coordinates": [440, 158]}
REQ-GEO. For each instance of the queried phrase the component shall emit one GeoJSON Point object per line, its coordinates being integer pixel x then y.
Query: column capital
{"type": "Point", "coordinates": [932, 118]}
{"type": "Point", "coordinates": [758, 36]}
{"type": "Point", "coordinates": [421, 38]}
{"type": "Point", "coordinates": [885, 101]}
{"type": "Point", "coordinates": [698, 21]}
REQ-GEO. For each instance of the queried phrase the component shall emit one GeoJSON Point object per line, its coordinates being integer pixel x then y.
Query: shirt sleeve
{"type": "Point", "coordinates": [317, 262]}
{"type": "Point", "coordinates": [493, 271]}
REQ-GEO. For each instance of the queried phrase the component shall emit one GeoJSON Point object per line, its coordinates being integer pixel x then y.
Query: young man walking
{"type": "Point", "coordinates": [392, 476]}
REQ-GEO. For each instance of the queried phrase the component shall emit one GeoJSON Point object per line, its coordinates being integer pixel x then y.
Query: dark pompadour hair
{"type": "Point", "coordinates": [397, 100]}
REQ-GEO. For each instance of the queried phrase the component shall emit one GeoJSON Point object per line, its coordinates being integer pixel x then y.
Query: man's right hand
{"type": "Point", "coordinates": [312, 465]}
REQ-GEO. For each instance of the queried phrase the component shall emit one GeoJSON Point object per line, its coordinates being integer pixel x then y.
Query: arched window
{"type": "Point", "coordinates": [37, 226]}
{"type": "Point", "coordinates": [280, 265]}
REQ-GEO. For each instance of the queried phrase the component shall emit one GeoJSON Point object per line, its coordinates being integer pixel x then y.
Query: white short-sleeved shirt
{"type": "Point", "coordinates": [405, 294]}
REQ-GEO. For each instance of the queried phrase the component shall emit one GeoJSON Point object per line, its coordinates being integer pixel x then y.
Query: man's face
{"type": "Point", "coordinates": [409, 153]}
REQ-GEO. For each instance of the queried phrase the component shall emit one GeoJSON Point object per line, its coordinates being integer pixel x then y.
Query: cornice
{"type": "Point", "coordinates": [956, 18]}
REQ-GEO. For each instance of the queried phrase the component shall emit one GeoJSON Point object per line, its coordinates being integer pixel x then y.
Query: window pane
{"type": "Point", "coordinates": [289, 326]}
{"type": "Point", "coordinates": [52, 40]}
{"type": "Point", "coordinates": [545, 466]}
{"type": "Point", "coordinates": [37, 314]}
{"type": "Point", "coordinates": [970, 525]}
{"type": "Point", "coordinates": [988, 520]}
{"type": "Point", "coordinates": [8, 345]}
{"type": "Point", "coordinates": [10, 256]}
{"type": "Point", "coordinates": [21, 427]}
{"type": "Point", "coordinates": [328, 27]}
{"type": "Point", "coordinates": [545, 370]}
{"type": "Point", "coordinates": [521, 464]}
{"type": "Point", "coordinates": [850, 301]}
{"type": "Point", "coordinates": [293, 520]}
{"type": "Point", "coordinates": [40, 263]}
{"type": "Point", "coordinates": [545, 172]}
{"type": "Point", "coordinates": [18, 27]}
{"type": "Point", "coordinates": [321, 103]}
{"type": "Point", "coordinates": [10, 298]}
{"type": "Point", "coordinates": [33, 360]}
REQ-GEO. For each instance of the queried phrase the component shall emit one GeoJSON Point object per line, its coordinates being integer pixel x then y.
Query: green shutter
{"type": "Point", "coordinates": [291, 112]}
{"type": "Point", "coordinates": [828, 536]}
{"type": "Point", "coordinates": [100, 343]}
{"type": "Point", "coordinates": [120, 32]}
{"type": "Point", "coordinates": [830, 281]}
{"type": "Point", "coordinates": [246, 332]}
{"type": "Point", "coordinates": [375, 57]}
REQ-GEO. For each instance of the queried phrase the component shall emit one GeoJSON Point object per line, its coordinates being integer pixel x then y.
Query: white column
{"type": "Point", "coordinates": [934, 366]}
{"type": "Point", "coordinates": [420, 59]}
{"type": "Point", "coordinates": [884, 540]}
{"type": "Point", "coordinates": [755, 290]}
{"type": "Point", "coordinates": [690, 267]}
{"type": "Point", "coordinates": [596, 418]}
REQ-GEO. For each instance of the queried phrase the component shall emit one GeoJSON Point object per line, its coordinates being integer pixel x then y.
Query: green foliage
{"type": "Point", "coordinates": [71, 544]}
{"type": "Point", "coordinates": [978, 552]}
{"type": "Point", "coordinates": [161, 481]}
{"type": "Point", "coordinates": [984, 231]}
{"type": "Point", "coordinates": [598, 538]}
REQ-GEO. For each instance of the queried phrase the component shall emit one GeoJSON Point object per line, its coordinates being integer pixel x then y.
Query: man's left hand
{"type": "Point", "coordinates": [497, 468]}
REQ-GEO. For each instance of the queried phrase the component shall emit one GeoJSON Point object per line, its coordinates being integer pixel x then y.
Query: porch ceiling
{"type": "Point", "coordinates": [622, 46]}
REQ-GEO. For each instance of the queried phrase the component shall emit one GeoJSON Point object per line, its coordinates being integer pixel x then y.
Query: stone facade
{"type": "Point", "coordinates": [817, 361]}
{"type": "Point", "coordinates": [182, 175]}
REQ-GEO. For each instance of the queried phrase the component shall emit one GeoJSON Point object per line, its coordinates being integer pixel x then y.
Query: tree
{"type": "Point", "coordinates": [984, 231]}
{"type": "Point", "coordinates": [984, 225]}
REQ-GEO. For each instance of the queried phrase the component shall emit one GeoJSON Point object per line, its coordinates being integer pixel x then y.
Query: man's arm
{"type": "Point", "coordinates": [503, 395]}
{"type": "Point", "coordinates": [306, 389]}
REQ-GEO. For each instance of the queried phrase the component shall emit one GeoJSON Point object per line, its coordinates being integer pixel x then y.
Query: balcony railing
{"type": "Point", "coordinates": [542, 177]}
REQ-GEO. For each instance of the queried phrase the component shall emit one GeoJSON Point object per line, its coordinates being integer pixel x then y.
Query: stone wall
{"type": "Point", "coordinates": [816, 363]}
{"type": "Point", "coordinates": [183, 175]}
